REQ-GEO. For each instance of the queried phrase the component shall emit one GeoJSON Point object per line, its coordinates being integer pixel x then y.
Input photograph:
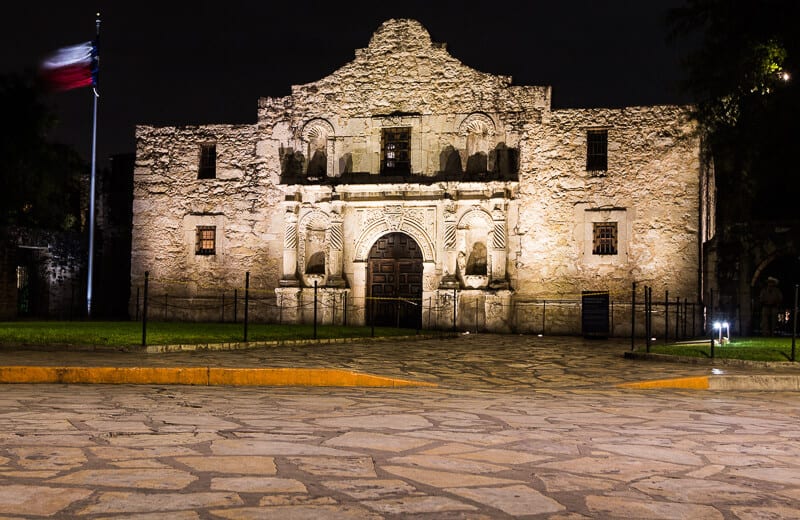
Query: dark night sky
{"type": "Point", "coordinates": [169, 63]}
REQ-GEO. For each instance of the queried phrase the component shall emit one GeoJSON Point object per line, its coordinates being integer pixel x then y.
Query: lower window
{"type": "Point", "coordinates": [604, 238]}
{"type": "Point", "coordinates": [206, 241]}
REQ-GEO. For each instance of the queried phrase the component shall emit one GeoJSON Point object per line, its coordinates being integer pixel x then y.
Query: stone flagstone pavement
{"type": "Point", "coordinates": [519, 427]}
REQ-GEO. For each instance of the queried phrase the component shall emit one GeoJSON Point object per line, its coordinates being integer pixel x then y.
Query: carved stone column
{"type": "Point", "coordinates": [499, 251]}
{"type": "Point", "coordinates": [450, 278]}
{"type": "Point", "coordinates": [330, 156]}
{"type": "Point", "coordinates": [289, 274]}
{"type": "Point", "coordinates": [359, 292]}
{"type": "Point", "coordinates": [335, 247]}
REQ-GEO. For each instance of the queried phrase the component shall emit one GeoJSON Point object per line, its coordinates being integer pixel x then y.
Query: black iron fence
{"type": "Point", "coordinates": [638, 314]}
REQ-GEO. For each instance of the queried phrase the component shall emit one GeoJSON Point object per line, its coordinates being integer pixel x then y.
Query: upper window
{"type": "Point", "coordinates": [208, 161]}
{"type": "Point", "coordinates": [206, 242]}
{"type": "Point", "coordinates": [396, 151]}
{"type": "Point", "coordinates": [604, 238]}
{"type": "Point", "coordinates": [597, 150]}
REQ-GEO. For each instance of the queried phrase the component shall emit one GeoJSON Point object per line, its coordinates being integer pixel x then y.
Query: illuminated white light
{"type": "Point", "coordinates": [717, 325]}
{"type": "Point", "coordinates": [785, 76]}
{"type": "Point", "coordinates": [725, 324]}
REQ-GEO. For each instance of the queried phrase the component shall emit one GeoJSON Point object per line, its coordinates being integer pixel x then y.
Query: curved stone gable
{"type": "Point", "coordinates": [403, 71]}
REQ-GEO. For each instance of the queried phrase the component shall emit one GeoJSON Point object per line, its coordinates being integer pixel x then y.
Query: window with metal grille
{"type": "Point", "coordinates": [396, 151]}
{"type": "Point", "coordinates": [206, 243]}
{"type": "Point", "coordinates": [596, 150]}
{"type": "Point", "coordinates": [604, 238]}
{"type": "Point", "coordinates": [208, 162]}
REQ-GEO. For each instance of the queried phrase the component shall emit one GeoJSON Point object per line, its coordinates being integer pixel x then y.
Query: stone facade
{"type": "Point", "coordinates": [319, 198]}
{"type": "Point", "coordinates": [43, 274]}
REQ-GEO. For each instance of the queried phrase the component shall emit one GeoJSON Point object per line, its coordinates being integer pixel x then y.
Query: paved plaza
{"type": "Point", "coordinates": [517, 427]}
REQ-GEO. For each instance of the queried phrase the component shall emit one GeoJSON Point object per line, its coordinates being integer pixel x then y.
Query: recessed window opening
{"type": "Point", "coordinates": [597, 150]}
{"type": "Point", "coordinates": [206, 242]}
{"type": "Point", "coordinates": [208, 161]}
{"type": "Point", "coordinates": [396, 151]}
{"type": "Point", "coordinates": [604, 238]}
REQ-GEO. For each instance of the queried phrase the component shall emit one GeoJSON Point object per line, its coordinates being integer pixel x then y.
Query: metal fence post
{"type": "Point", "coordinates": [246, 301]}
{"type": "Point", "coordinates": [315, 309]}
{"type": "Point", "coordinates": [144, 308]}
{"type": "Point", "coordinates": [666, 317]}
{"type": "Point", "coordinates": [633, 317]}
{"type": "Point", "coordinates": [794, 321]}
{"type": "Point", "coordinates": [646, 322]}
{"type": "Point", "coordinates": [544, 312]}
{"type": "Point", "coordinates": [711, 335]}
{"type": "Point", "coordinates": [454, 310]}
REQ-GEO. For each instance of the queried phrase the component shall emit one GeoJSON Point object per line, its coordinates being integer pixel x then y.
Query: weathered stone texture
{"type": "Point", "coordinates": [497, 178]}
{"type": "Point", "coordinates": [53, 263]}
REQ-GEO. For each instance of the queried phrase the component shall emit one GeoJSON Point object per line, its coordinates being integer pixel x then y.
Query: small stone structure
{"type": "Point", "coordinates": [41, 274]}
{"type": "Point", "coordinates": [409, 186]}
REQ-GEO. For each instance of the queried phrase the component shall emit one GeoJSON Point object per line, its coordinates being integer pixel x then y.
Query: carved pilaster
{"type": "Point", "coordinates": [499, 252]}
{"type": "Point", "coordinates": [335, 247]}
{"type": "Point", "coordinates": [449, 279]}
{"type": "Point", "coordinates": [289, 274]}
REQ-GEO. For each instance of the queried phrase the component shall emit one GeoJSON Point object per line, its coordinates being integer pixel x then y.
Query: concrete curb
{"type": "Point", "coordinates": [774, 383]}
{"type": "Point", "coordinates": [206, 376]}
{"type": "Point", "coordinates": [687, 360]}
{"type": "Point", "coordinates": [783, 382]}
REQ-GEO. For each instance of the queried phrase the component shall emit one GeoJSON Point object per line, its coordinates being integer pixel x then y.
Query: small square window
{"type": "Point", "coordinates": [597, 150]}
{"type": "Point", "coordinates": [206, 241]}
{"type": "Point", "coordinates": [208, 162]}
{"type": "Point", "coordinates": [604, 238]}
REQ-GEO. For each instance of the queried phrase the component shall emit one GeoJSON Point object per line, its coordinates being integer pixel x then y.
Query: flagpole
{"type": "Point", "coordinates": [92, 183]}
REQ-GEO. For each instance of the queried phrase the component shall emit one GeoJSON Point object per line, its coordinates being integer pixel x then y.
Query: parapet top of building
{"type": "Point", "coordinates": [403, 71]}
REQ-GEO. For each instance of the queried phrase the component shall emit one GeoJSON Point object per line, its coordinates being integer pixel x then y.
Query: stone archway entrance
{"type": "Point", "coordinates": [394, 282]}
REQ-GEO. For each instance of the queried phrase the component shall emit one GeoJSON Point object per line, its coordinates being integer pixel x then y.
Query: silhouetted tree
{"type": "Point", "coordinates": [740, 76]}
{"type": "Point", "coordinates": [39, 180]}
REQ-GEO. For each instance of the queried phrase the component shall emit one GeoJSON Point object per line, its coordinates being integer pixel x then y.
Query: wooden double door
{"type": "Point", "coordinates": [394, 282]}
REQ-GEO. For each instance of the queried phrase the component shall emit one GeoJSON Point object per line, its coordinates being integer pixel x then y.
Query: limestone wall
{"type": "Point", "coordinates": [282, 194]}
{"type": "Point", "coordinates": [170, 201]}
{"type": "Point", "coordinates": [652, 187]}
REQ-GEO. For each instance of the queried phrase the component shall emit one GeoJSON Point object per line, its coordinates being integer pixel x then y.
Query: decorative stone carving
{"type": "Point", "coordinates": [313, 229]}
{"type": "Point", "coordinates": [477, 123]}
{"type": "Point", "coordinates": [319, 136]}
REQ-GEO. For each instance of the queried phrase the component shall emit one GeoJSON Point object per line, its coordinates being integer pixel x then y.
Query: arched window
{"type": "Point", "coordinates": [316, 134]}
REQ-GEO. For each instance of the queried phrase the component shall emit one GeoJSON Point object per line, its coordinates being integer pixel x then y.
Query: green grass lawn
{"type": "Point", "coordinates": [127, 333]}
{"type": "Point", "coordinates": [751, 349]}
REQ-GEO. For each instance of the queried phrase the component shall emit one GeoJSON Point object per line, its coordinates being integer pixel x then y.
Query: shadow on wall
{"type": "Point", "coordinates": [501, 163]}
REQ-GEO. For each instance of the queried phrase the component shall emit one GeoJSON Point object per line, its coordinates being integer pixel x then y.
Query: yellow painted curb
{"type": "Point", "coordinates": [199, 376]}
{"type": "Point", "coordinates": [302, 377]}
{"type": "Point", "coordinates": [105, 375]}
{"type": "Point", "coordinates": [694, 383]}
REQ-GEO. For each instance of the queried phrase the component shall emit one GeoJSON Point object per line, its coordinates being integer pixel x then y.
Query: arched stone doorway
{"type": "Point", "coordinates": [394, 281]}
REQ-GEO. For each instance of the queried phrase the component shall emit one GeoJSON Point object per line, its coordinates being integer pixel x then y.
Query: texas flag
{"type": "Point", "coordinates": [71, 67]}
